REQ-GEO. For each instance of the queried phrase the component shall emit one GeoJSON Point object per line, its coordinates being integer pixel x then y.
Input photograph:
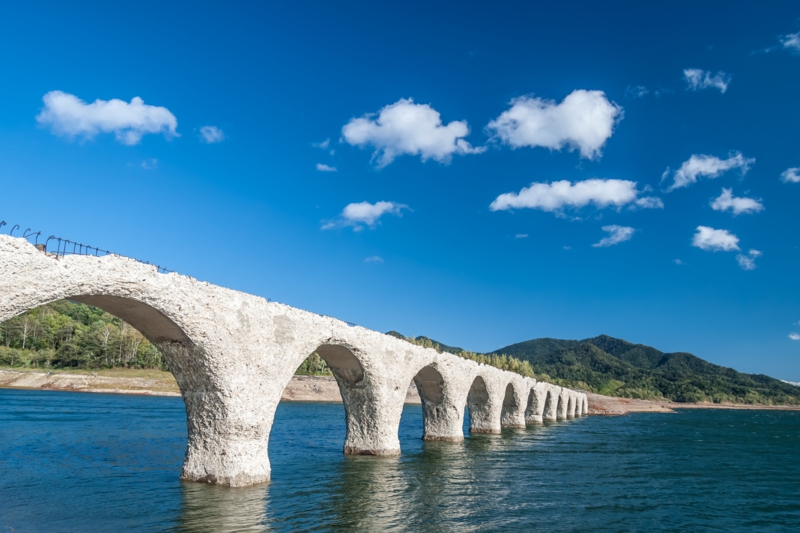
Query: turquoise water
{"type": "Point", "coordinates": [87, 462]}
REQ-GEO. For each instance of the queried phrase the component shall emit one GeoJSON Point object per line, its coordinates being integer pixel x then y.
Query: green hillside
{"type": "Point", "coordinates": [619, 368]}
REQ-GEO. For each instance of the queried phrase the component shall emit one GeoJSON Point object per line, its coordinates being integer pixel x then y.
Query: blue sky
{"type": "Point", "coordinates": [501, 173]}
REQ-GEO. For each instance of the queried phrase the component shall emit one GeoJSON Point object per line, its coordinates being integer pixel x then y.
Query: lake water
{"type": "Point", "coordinates": [92, 462]}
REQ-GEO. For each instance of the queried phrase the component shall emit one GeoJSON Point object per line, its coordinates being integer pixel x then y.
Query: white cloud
{"type": "Point", "coordinates": [748, 262]}
{"type": "Point", "coordinates": [211, 134]}
{"type": "Point", "coordinates": [583, 121]}
{"type": "Point", "coordinates": [715, 240]}
{"type": "Point", "coordinates": [521, 236]}
{"type": "Point", "coordinates": [558, 195]}
{"type": "Point", "coordinates": [636, 91]}
{"type": "Point", "coordinates": [406, 128]}
{"type": "Point", "coordinates": [727, 200]}
{"type": "Point", "coordinates": [322, 167]}
{"type": "Point", "coordinates": [678, 262]}
{"type": "Point", "coordinates": [323, 145]}
{"type": "Point", "coordinates": [791, 175]}
{"type": "Point", "coordinates": [359, 215]}
{"type": "Point", "coordinates": [794, 337]}
{"type": "Point", "coordinates": [150, 164]}
{"type": "Point", "coordinates": [617, 234]}
{"type": "Point", "coordinates": [649, 202]}
{"type": "Point", "coordinates": [698, 166]}
{"type": "Point", "coordinates": [69, 116]}
{"type": "Point", "coordinates": [791, 42]}
{"type": "Point", "coordinates": [373, 259]}
{"type": "Point", "coordinates": [703, 79]}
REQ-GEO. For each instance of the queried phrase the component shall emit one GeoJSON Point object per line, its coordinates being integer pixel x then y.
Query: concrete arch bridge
{"type": "Point", "coordinates": [233, 354]}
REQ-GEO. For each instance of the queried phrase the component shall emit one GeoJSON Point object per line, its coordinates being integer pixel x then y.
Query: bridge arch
{"type": "Point", "coordinates": [442, 416]}
{"type": "Point", "coordinates": [551, 405]}
{"type": "Point", "coordinates": [483, 413]}
{"type": "Point", "coordinates": [513, 412]}
{"type": "Point", "coordinates": [571, 406]}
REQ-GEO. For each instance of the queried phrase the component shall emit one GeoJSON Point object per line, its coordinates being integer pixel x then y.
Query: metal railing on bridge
{"type": "Point", "coordinates": [65, 247]}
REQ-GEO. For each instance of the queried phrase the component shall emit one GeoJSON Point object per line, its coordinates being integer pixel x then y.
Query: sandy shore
{"type": "Point", "coordinates": [155, 383]}
{"type": "Point", "coordinates": [300, 389]}
{"type": "Point", "coordinates": [607, 405]}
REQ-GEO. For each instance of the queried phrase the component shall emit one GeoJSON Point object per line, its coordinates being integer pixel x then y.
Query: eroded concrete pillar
{"type": "Point", "coordinates": [534, 414]}
{"type": "Point", "coordinates": [442, 406]}
{"type": "Point", "coordinates": [561, 410]}
{"type": "Point", "coordinates": [228, 435]}
{"type": "Point", "coordinates": [485, 401]}
{"type": "Point", "coordinates": [571, 406]}
{"type": "Point", "coordinates": [551, 403]}
{"type": "Point", "coordinates": [513, 412]}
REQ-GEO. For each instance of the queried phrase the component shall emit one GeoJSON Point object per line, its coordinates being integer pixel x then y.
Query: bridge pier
{"type": "Point", "coordinates": [534, 413]}
{"type": "Point", "coordinates": [485, 402]}
{"type": "Point", "coordinates": [551, 403]}
{"type": "Point", "coordinates": [513, 413]}
{"type": "Point", "coordinates": [442, 417]}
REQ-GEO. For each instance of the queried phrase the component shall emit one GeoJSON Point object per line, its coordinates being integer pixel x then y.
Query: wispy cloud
{"type": "Point", "coordinates": [794, 336]}
{"type": "Point", "coordinates": [697, 79]}
{"type": "Point", "coordinates": [211, 135]}
{"type": "Point", "coordinates": [706, 166]}
{"type": "Point", "coordinates": [373, 259]}
{"type": "Point", "coordinates": [69, 116]}
{"type": "Point", "coordinates": [748, 262]}
{"type": "Point", "coordinates": [678, 262]}
{"type": "Point", "coordinates": [726, 201]}
{"type": "Point", "coordinates": [790, 42]}
{"type": "Point", "coordinates": [616, 235]}
{"type": "Point", "coordinates": [715, 240]}
{"type": "Point", "coordinates": [559, 195]}
{"type": "Point", "coordinates": [791, 175]}
{"type": "Point", "coordinates": [521, 236]}
{"type": "Point", "coordinates": [636, 91]}
{"type": "Point", "coordinates": [150, 164]}
{"type": "Point", "coordinates": [583, 121]}
{"type": "Point", "coordinates": [364, 214]}
{"type": "Point", "coordinates": [323, 145]}
{"type": "Point", "coordinates": [406, 128]}
{"type": "Point", "coordinates": [322, 167]}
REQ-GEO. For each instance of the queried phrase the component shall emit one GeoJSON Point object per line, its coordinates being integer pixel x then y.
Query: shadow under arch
{"type": "Point", "coordinates": [512, 414]}
{"type": "Point", "coordinates": [571, 407]}
{"type": "Point", "coordinates": [549, 413]}
{"type": "Point", "coordinates": [480, 408]}
{"type": "Point", "coordinates": [441, 418]}
{"type": "Point", "coordinates": [533, 414]}
{"type": "Point", "coordinates": [360, 408]}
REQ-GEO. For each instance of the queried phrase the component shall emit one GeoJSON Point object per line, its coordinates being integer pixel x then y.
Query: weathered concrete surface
{"type": "Point", "coordinates": [233, 355]}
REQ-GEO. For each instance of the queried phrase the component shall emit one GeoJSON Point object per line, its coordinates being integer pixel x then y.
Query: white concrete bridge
{"type": "Point", "coordinates": [233, 354]}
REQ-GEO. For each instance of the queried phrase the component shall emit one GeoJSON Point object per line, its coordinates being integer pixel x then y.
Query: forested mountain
{"type": "Point", "coordinates": [619, 368]}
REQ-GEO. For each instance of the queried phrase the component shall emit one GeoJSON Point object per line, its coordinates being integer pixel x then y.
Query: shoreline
{"type": "Point", "coordinates": [301, 389]}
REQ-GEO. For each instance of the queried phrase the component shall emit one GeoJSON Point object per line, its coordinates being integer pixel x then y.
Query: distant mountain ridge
{"type": "Point", "coordinates": [617, 367]}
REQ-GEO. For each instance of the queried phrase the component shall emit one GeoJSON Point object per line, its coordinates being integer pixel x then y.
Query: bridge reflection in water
{"type": "Point", "coordinates": [435, 486]}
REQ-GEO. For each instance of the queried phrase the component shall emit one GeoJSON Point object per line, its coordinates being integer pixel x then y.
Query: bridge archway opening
{"type": "Point", "coordinates": [532, 406]}
{"type": "Point", "coordinates": [440, 419]}
{"type": "Point", "coordinates": [571, 407]}
{"type": "Point", "coordinates": [97, 331]}
{"type": "Point", "coordinates": [343, 364]}
{"type": "Point", "coordinates": [549, 412]}
{"type": "Point", "coordinates": [511, 413]}
{"type": "Point", "coordinates": [479, 405]}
